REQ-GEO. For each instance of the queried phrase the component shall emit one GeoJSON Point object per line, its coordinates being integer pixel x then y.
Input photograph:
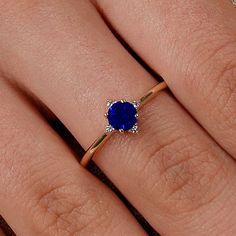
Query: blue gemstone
{"type": "Point", "coordinates": [121, 115]}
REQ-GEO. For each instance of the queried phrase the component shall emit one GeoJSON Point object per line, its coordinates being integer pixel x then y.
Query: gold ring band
{"type": "Point", "coordinates": [105, 136]}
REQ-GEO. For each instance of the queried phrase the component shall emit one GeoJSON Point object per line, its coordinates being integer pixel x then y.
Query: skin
{"type": "Point", "coordinates": [179, 171]}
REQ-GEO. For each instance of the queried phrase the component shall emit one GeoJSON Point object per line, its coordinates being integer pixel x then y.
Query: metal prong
{"type": "Point", "coordinates": [109, 102]}
{"type": "Point", "coordinates": [109, 129]}
{"type": "Point", "coordinates": [123, 100]}
{"type": "Point", "coordinates": [121, 131]}
{"type": "Point", "coordinates": [134, 129]}
{"type": "Point", "coordinates": [106, 114]}
{"type": "Point", "coordinates": [136, 104]}
{"type": "Point", "coordinates": [136, 115]}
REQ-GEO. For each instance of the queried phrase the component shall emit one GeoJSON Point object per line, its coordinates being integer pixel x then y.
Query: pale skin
{"type": "Point", "coordinates": [179, 171]}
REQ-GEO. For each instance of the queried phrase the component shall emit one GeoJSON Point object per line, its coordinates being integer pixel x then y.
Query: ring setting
{"type": "Point", "coordinates": [122, 116]}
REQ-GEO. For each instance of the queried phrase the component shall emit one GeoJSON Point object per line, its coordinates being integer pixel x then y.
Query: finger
{"type": "Point", "coordinates": [177, 176]}
{"type": "Point", "coordinates": [192, 44]}
{"type": "Point", "coordinates": [44, 191]}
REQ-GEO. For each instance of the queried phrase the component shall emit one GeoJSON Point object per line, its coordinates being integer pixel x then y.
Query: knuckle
{"type": "Point", "coordinates": [225, 94]}
{"type": "Point", "coordinates": [211, 61]}
{"type": "Point", "coordinates": [68, 212]}
{"type": "Point", "coordinates": [191, 179]}
{"type": "Point", "coordinates": [212, 72]}
{"type": "Point", "coordinates": [59, 206]}
{"type": "Point", "coordinates": [185, 174]}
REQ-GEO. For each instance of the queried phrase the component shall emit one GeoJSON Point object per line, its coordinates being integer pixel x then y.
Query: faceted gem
{"type": "Point", "coordinates": [121, 115]}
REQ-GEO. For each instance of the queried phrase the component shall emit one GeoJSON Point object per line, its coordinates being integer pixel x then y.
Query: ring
{"type": "Point", "coordinates": [121, 116]}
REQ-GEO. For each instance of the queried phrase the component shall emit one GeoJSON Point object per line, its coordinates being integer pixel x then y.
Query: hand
{"type": "Point", "coordinates": [179, 171]}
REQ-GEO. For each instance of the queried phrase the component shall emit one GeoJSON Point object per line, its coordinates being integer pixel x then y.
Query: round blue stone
{"type": "Point", "coordinates": [121, 115]}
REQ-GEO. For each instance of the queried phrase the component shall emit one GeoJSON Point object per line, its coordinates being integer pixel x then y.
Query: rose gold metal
{"type": "Point", "coordinates": [105, 136]}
